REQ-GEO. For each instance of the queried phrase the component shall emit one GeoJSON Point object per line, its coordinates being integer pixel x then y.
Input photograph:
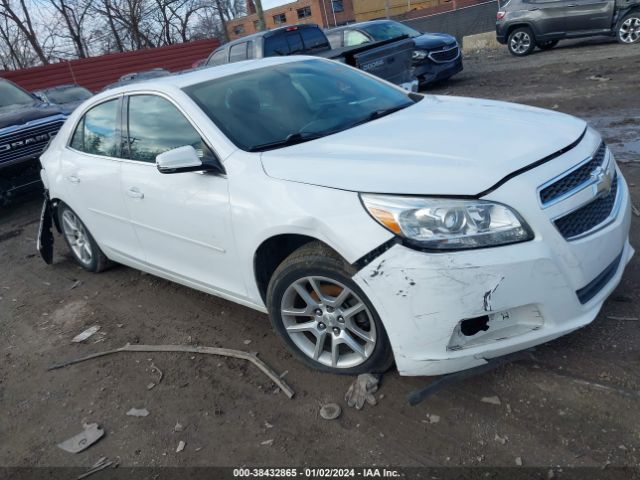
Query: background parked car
{"type": "Point", "coordinates": [26, 126]}
{"type": "Point", "coordinates": [67, 96]}
{"type": "Point", "coordinates": [138, 77]}
{"type": "Point", "coordinates": [526, 24]}
{"type": "Point", "coordinates": [389, 59]}
{"type": "Point", "coordinates": [436, 56]}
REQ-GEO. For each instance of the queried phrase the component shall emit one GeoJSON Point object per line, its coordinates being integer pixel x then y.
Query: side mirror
{"type": "Point", "coordinates": [183, 159]}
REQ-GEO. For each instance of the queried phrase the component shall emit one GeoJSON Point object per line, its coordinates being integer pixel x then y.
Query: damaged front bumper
{"type": "Point", "coordinates": [446, 312]}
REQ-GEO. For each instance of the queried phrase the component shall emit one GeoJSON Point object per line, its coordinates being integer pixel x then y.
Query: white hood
{"type": "Point", "coordinates": [439, 146]}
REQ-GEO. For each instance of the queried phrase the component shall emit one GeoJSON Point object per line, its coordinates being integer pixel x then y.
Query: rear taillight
{"type": "Point", "coordinates": [500, 15]}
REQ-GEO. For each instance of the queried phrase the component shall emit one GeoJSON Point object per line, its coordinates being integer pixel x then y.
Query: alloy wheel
{"type": "Point", "coordinates": [328, 322]}
{"type": "Point", "coordinates": [77, 237]}
{"type": "Point", "coordinates": [520, 42]}
{"type": "Point", "coordinates": [630, 30]}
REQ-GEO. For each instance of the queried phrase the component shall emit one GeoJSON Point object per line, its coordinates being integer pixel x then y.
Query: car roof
{"type": "Point", "coordinates": [361, 24]}
{"type": "Point", "coordinates": [265, 33]}
{"type": "Point", "coordinates": [184, 79]}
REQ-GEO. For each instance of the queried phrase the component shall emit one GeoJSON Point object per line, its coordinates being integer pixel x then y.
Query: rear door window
{"type": "Point", "coordinates": [218, 58]}
{"type": "Point", "coordinates": [238, 52]}
{"type": "Point", "coordinates": [354, 37]}
{"type": "Point", "coordinates": [276, 45]}
{"type": "Point", "coordinates": [295, 42]}
{"type": "Point", "coordinates": [314, 39]}
{"type": "Point", "coordinates": [96, 133]}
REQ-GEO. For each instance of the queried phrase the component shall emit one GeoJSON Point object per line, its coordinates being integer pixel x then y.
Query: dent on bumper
{"type": "Point", "coordinates": [422, 298]}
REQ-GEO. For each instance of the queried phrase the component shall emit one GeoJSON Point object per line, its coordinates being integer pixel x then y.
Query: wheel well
{"type": "Point", "coordinates": [271, 253]}
{"type": "Point", "coordinates": [518, 25]}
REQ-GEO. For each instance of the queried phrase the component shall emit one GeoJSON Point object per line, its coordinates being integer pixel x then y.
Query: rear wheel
{"type": "Point", "coordinates": [521, 42]}
{"type": "Point", "coordinates": [629, 29]}
{"type": "Point", "coordinates": [548, 45]}
{"type": "Point", "coordinates": [325, 319]}
{"type": "Point", "coordinates": [81, 243]}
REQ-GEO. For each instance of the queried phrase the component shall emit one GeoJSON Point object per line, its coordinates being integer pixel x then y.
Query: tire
{"type": "Point", "coordinates": [521, 42]}
{"type": "Point", "coordinates": [628, 31]}
{"type": "Point", "coordinates": [330, 309]}
{"type": "Point", "coordinates": [83, 247]}
{"type": "Point", "coordinates": [547, 45]}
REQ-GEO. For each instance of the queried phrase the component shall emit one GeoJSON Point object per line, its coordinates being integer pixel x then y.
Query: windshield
{"type": "Point", "coordinates": [293, 102]}
{"type": "Point", "coordinates": [67, 95]}
{"type": "Point", "coordinates": [11, 95]}
{"type": "Point", "coordinates": [387, 30]}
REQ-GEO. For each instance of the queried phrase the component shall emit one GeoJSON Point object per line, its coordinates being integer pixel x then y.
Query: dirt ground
{"type": "Point", "coordinates": [576, 405]}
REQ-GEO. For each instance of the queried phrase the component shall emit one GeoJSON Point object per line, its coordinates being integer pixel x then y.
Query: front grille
{"type": "Point", "coordinates": [573, 179]}
{"type": "Point", "coordinates": [445, 55]}
{"type": "Point", "coordinates": [592, 214]}
{"type": "Point", "coordinates": [27, 143]}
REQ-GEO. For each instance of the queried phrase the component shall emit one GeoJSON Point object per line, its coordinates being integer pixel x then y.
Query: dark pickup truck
{"type": "Point", "coordinates": [388, 59]}
{"type": "Point", "coordinates": [26, 126]}
{"type": "Point", "coordinates": [524, 25]}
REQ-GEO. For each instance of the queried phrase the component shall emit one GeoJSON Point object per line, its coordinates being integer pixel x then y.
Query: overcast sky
{"type": "Point", "coordinates": [267, 4]}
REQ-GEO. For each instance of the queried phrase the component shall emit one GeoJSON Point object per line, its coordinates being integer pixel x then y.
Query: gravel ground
{"type": "Point", "coordinates": [575, 405]}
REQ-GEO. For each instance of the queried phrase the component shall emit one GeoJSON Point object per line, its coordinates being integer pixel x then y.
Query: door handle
{"type": "Point", "coordinates": [73, 179]}
{"type": "Point", "coordinates": [133, 192]}
{"type": "Point", "coordinates": [572, 5]}
{"type": "Point", "coordinates": [533, 9]}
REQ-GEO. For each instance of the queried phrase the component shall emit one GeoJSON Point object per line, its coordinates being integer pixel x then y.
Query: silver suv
{"type": "Point", "coordinates": [524, 25]}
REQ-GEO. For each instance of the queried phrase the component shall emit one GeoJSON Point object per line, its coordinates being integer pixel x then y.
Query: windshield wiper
{"type": "Point", "coordinates": [291, 139]}
{"type": "Point", "coordinates": [386, 111]}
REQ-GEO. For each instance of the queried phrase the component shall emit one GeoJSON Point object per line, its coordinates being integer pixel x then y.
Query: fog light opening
{"type": "Point", "coordinates": [472, 326]}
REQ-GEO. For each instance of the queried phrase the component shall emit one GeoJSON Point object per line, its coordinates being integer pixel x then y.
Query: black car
{"type": "Point", "coordinates": [524, 25]}
{"type": "Point", "coordinates": [26, 126]}
{"type": "Point", "coordinates": [436, 56]}
{"type": "Point", "coordinates": [67, 96]}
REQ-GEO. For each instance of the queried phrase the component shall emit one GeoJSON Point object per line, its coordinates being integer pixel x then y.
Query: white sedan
{"type": "Point", "coordinates": [372, 224]}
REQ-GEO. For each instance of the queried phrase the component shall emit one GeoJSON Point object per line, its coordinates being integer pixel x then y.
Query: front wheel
{"type": "Point", "coordinates": [521, 42]}
{"type": "Point", "coordinates": [81, 243]}
{"type": "Point", "coordinates": [325, 319]}
{"type": "Point", "coordinates": [548, 45]}
{"type": "Point", "coordinates": [629, 29]}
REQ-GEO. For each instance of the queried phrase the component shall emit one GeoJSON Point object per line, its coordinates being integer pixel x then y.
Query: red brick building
{"type": "Point", "coordinates": [325, 13]}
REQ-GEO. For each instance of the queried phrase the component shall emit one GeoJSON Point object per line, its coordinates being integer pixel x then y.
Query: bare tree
{"type": "Point", "coordinates": [74, 13]}
{"type": "Point", "coordinates": [22, 20]}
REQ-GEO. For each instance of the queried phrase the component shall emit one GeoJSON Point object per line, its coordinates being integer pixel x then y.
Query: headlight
{"type": "Point", "coordinates": [448, 224]}
{"type": "Point", "coordinates": [419, 55]}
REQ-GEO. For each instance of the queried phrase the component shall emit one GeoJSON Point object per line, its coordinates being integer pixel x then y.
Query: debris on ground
{"type": "Point", "coordinates": [160, 376]}
{"type": "Point", "coordinates": [599, 78]}
{"type": "Point", "coordinates": [432, 418]}
{"type": "Point", "coordinates": [81, 337]}
{"type": "Point", "coordinates": [636, 210]}
{"type": "Point", "coordinates": [178, 427]}
{"type": "Point", "coordinates": [330, 411]}
{"type": "Point", "coordinates": [138, 412]}
{"type": "Point", "coordinates": [83, 440]}
{"type": "Point", "coordinates": [267, 425]}
{"type": "Point", "coordinates": [500, 440]}
{"type": "Point", "coordinates": [101, 464]}
{"type": "Point", "coordinates": [225, 352]}
{"type": "Point", "coordinates": [267, 443]}
{"type": "Point", "coordinates": [494, 400]}
{"type": "Point", "coordinates": [519, 461]}
{"type": "Point", "coordinates": [247, 342]}
{"type": "Point", "coordinates": [362, 390]}
{"type": "Point", "coordinates": [180, 446]}
{"type": "Point", "coordinates": [623, 319]}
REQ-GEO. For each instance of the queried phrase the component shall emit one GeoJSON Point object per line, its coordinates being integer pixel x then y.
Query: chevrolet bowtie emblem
{"type": "Point", "coordinates": [603, 180]}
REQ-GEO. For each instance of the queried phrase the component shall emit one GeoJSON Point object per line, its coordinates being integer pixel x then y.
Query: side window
{"type": "Point", "coordinates": [295, 42]}
{"type": "Point", "coordinates": [335, 39]}
{"type": "Point", "coordinates": [96, 131]}
{"type": "Point", "coordinates": [354, 37]}
{"type": "Point", "coordinates": [155, 126]}
{"type": "Point", "coordinates": [238, 52]}
{"type": "Point", "coordinates": [276, 45]}
{"type": "Point", "coordinates": [250, 53]}
{"type": "Point", "coordinates": [314, 39]}
{"type": "Point", "coordinates": [218, 58]}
